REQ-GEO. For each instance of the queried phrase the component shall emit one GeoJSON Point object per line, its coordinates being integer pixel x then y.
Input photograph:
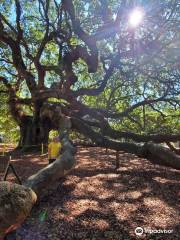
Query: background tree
{"type": "Point", "coordinates": [115, 79]}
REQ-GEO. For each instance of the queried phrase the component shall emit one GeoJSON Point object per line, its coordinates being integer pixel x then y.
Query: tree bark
{"type": "Point", "coordinates": [161, 155]}
{"type": "Point", "coordinates": [33, 133]}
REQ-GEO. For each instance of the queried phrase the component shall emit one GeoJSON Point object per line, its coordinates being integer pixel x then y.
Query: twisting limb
{"type": "Point", "coordinates": [98, 90]}
{"type": "Point", "coordinates": [14, 101]}
{"type": "Point", "coordinates": [18, 19]}
{"type": "Point", "coordinates": [154, 152]}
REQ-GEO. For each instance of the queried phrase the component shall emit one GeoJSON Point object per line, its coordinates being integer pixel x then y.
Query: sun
{"type": "Point", "coordinates": [136, 17]}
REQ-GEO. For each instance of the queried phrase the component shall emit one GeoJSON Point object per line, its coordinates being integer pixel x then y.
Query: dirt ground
{"type": "Point", "coordinates": [96, 202]}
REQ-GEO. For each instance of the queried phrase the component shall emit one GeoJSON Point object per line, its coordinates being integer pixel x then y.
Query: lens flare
{"type": "Point", "coordinates": [136, 17]}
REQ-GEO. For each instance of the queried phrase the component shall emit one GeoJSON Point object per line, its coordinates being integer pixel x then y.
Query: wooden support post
{"type": "Point", "coordinates": [9, 165]}
{"type": "Point", "coordinates": [6, 171]}
{"type": "Point", "coordinates": [106, 150]}
{"type": "Point", "coordinates": [42, 149]}
{"type": "Point", "coordinates": [15, 173]}
{"type": "Point", "coordinates": [117, 160]}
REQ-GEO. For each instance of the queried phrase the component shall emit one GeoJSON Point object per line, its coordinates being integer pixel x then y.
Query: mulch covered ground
{"type": "Point", "coordinates": [96, 202]}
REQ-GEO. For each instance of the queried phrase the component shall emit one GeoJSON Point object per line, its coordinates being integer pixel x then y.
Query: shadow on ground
{"type": "Point", "coordinates": [96, 202]}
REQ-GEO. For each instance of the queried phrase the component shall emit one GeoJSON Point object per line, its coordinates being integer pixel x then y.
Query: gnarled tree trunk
{"type": "Point", "coordinates": [33, 132]}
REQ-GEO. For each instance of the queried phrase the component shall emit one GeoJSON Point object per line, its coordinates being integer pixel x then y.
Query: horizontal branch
{"type": "Point", "coordinates": [139, 104]}
{"type": "Point", "coordinates": [125, 113]}
{"type": "Point", "coordinates": [154, 152]}
{"type": "Point", "coordinates": [106, 130]}
{"type": "Point", "coordinates": [102, 141]}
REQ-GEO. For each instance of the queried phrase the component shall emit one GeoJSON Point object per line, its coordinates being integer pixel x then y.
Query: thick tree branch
{"type": "Point", "coordinates": [14, 106]}
{"type": "Point", "coordinates": [18, 19]}
{"type": "Point", "coordinates": [91, 43]}
{"type": "Point", "coordinates": [98, 90]}
{"type": "Point", "coordinates": [17, 58]}
{"type": "Point", "coordinates": [106, 130]}
{"type": "Point", "coordinates": [71, 57]}
{"type": "Point", "coordinates": [155, 153]}
{"type": "Point", "coordinates": [133, 107]}
{"type": "Point", "coordinates": [102, 141]}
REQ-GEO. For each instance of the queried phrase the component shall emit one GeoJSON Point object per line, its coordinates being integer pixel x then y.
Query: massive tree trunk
{"type": "Point", "coordinates": [33, 132]}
